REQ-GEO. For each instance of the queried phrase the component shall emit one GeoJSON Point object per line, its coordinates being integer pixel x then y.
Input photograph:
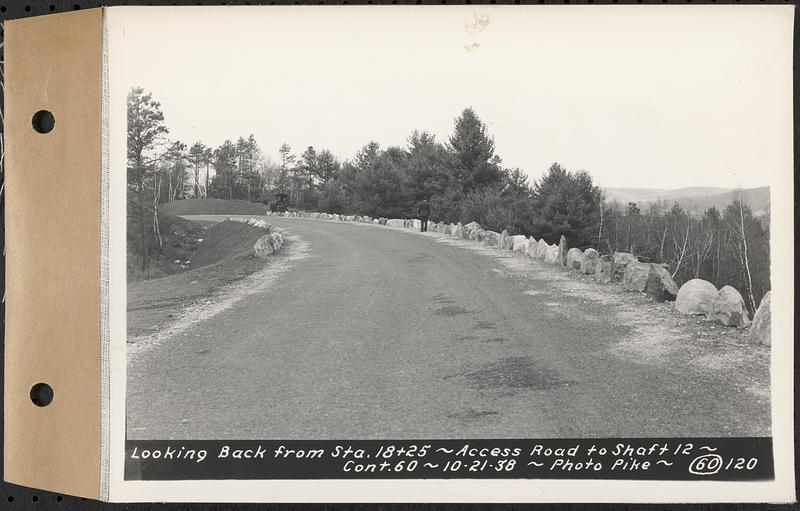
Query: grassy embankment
{"type": "Point", "coordinates": [196, 261]}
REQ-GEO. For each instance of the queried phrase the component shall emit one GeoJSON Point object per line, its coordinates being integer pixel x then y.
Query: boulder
{"type": "Point", "coordinates": [395, 222]}
{"type": "Point", "coordinates": [519, 243]}
{"type": "Point", "coordinates": [468, 229]}
{"type": "Point", "coordinates": [506, 243]}
{"type": "Point", "coordinates": [530, 247]}
{"type": "Point", "coordinates": [383, 220]}
{"type": "Point", "coordinates": [277, 240]}
{"type": "Point", "coordinates": [660, 286]}
{"type": "Point", "coordinates": [621, 261]}
{"type": "Point", "coordinates": [541, 249]}
{"type": "Point", "coordinates": [604, 269]}
{"type": "Point", "coordinates": [574, 258]}
{"type": "Point", "coordinates": [696, 297]}
{"type": "Point", "coordinates": [562, 251]}
{"type": "Point", "coordinates": [729, 309]}
{"type": "Point", "coordinates": [589, 261]}
{"type": "Point", "coordinates": [476, 234]}
{"type": "Point", "coordinates": [472, 226]}
{"type": "Point", "coordinates": [457, 230]}
{"type": "Point", "coordinates": [635, 277]}
{"type": "Point", "coordinates": [492, 239]}
{"type": "Point", "coordinates": [268, 244]}
{"type": "Point", "coordinates": [551, 254]}
{"type": "Point", "coordinates": [761, 331]}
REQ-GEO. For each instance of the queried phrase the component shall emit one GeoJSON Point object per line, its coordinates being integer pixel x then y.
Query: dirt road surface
{"type": "Point", "coordinates": [378, 333]}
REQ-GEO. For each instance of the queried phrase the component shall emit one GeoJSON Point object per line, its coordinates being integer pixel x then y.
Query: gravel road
{"type": "Point", "coordinates": [384, 333]}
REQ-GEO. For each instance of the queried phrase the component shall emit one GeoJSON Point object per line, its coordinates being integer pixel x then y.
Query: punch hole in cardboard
{"type": "Point", "coordinates": [42, 394]}
{"type": "Point", "coordinates": [43, 121]}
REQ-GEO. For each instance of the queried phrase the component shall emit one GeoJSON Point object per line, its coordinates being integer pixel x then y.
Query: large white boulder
{"type": "Point", "coordinates": [589, 261]}
{"type": "Point", "coordinates": [395, 222]}
{"type": "Point", "coordinates": [562, 251]}
{"type": "Point", "coordinates": [416, 224]}
{"type": "Point", "coordinates": [472, 226]}
{"type": "Point", "coordinates": [541, 249]}
{"type": "Point", "coordinates": [696, 297]}
{"type": "Point", "coordinates": [761, 331]}
{"type": "Point", "coordinates": [551, 255]}
{"type": "Point", "coordinates": [519, 243]}
{"type": "Point", "coordinates": [729, 309]}
{"type": "Point", "coordinates": [492, 239]}
{"type": "Point", "coordinates": [574, 258]}
{"type": "Point", "coordinates": [621, 261]}
{"type": "Point", "coordinates": [504, 240]}
{"type": "Point", "coordinates": [268, 244]}
{"type": "Point", "coordinates": [604, 268]}
{"type": "Point", "coordinates": [530, 247]}
{"type": "Point", "coordinates": [635, 277]}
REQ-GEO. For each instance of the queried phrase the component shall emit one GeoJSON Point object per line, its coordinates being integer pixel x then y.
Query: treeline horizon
{"type": "Point", "coordinates": [464, 180]}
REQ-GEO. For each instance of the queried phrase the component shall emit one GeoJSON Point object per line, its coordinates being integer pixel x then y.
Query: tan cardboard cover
{"type": "Point", "coordinates": [53, 196]}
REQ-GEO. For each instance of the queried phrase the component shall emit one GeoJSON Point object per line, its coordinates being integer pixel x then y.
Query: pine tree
{"type": "Point", "coordinates": [472, 151]}
{"type": "Point", "coordinates": [567, 204]}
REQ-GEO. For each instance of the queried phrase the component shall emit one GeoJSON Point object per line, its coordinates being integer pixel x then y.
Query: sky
{"type": "Point", "coordinates": [650, 96]}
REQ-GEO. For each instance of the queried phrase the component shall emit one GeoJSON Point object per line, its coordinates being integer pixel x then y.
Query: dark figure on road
{"type": "Point", "coordinates": [423, 212]}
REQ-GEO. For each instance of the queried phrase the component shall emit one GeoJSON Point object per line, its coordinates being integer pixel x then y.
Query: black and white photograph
{"type": "Point", "coordinates": [455, 223]}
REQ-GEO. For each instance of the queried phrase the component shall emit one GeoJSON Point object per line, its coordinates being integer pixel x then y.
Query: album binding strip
{"type": "Point", "coordinates": [53, 187]}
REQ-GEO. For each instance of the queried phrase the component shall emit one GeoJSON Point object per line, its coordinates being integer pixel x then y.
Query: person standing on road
{"type": "Point", "coordinates": [423, 212]}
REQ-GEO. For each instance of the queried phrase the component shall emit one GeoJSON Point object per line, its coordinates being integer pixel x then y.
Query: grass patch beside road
{"type": "Point", "coordinates": [224, 256]}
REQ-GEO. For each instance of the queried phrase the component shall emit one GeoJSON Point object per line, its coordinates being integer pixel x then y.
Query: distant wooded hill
{"type": "Point", "coordinates": [694, 199]}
